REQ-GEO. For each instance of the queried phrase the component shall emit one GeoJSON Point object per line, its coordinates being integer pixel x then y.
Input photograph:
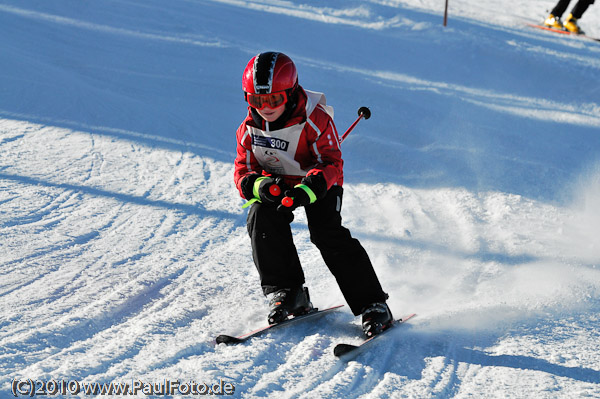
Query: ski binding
{"type": "Point", "coordinates": [231, 340]}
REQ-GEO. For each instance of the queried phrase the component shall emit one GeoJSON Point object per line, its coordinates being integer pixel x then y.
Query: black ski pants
{"type": "Point", "coordinates": [577, 11]}
{"type": "Point", "coordinates": [277, 261]}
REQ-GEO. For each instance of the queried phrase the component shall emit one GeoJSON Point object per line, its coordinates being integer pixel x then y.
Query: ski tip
{"type": "Point", "coordinates": [228, 340]}
{"type": "Point", "coordinates": [342, 349]}
{"type": "Point", "coordinates": [405, 318]}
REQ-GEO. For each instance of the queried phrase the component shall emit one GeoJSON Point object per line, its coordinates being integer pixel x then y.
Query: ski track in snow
{"type": "Point", "coordinates": [123, 242]}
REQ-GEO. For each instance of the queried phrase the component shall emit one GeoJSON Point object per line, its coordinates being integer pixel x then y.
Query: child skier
{"type": "Point", "coordinates": [288, 146]}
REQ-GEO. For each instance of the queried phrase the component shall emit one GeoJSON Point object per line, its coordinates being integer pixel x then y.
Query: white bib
{"type": "Point", "coordinates": [276, 150]}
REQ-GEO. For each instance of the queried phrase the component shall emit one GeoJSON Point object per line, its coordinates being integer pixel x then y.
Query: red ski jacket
{"type": "Point", "coordinates": [304, 146]}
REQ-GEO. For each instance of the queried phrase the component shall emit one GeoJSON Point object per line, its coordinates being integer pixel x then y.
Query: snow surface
{"type": "Point", "coordinates": [475, 188]}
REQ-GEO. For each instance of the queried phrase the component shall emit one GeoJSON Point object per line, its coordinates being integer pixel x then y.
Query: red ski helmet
{"type": "Point", "coordinates": [270, 72]}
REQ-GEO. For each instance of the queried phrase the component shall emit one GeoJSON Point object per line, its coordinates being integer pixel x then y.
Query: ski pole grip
{"type": "Point", "coordinates": [275, 190]}
{"type": "Point", "coordinates": [287, 202]}
{"type": "Point", "coordinates": [364, 112]}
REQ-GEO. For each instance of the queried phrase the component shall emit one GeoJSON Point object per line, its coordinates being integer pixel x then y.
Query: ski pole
{"type": "Point", "coordinates": [274, 190]}
{"type": "Point", "coordinates": [362, 112]}
{"type": "Point", "coordinates": [446, 14]}
{"type": "Point", "coordinates": [287, 202]}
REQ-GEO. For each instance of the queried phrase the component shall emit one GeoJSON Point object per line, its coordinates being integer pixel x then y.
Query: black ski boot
{"type": "Point", "coordinates": [376, 318]}
{"type": "Point", "coordinates": [289, 302]}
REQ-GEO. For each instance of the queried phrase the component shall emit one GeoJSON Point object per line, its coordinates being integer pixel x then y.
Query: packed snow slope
{"type": "Point", "coordinates": [475, 188]}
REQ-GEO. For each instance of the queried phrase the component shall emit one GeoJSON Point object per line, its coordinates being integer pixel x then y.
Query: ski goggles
{"type": "Point", "coordinates": [273, 100]}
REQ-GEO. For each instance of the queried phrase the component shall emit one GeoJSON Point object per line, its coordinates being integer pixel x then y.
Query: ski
{"type": "Point", "coordinates": [231, 340]}
{"type": "Point", "coordinates": [347, 351]}
{"type": "Point", "coordinates": [562, 31]}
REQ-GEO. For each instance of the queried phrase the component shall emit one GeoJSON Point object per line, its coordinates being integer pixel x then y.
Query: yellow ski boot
{"type": "Point", "coordinates": [571, 25]}
{"type": "Point", "coordinates": [553, 22]}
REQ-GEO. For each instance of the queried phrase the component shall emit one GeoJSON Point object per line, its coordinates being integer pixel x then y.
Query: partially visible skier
{"type": "Point", "coordinates": [288, 146]}
{"type": "Point", "coordinates": [570, 24]}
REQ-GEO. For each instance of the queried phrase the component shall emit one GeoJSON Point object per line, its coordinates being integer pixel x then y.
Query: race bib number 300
{"type": "Point", "coordinates": [270, 142]}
